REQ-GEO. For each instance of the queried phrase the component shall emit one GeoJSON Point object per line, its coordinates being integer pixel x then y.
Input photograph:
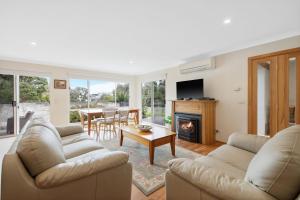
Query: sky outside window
{"type": "Point", "coordinates": [78, 83]}
{"type": "Point", "coordinates": [99, 86]}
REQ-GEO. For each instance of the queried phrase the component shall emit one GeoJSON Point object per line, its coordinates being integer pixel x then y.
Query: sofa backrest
{"type": "Point", "coordinates": [275, 169]}
{"type": "Point", "coordinates": [248, 142]}
{"type": "Point", "coordinates": [45, 123]}
{"type": "Point", "coordinates": [39, 149]}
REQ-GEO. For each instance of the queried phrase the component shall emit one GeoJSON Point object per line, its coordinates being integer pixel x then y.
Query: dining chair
{"type": "Point", "coordinates": [123, 117]}
{"type": "Point", "coordinates": [132, 118]}
{"type": "Point", "coordinates": [111, 108]}
{"type": "Point", "coordinates": [107, 122]}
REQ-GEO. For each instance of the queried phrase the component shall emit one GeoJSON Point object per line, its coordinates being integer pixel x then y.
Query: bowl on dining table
{"type": "Point", "coordinates": [144, 128]}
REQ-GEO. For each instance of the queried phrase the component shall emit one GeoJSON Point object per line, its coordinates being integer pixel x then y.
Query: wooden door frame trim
{"type": "Point", "coordinates": [277, 53]}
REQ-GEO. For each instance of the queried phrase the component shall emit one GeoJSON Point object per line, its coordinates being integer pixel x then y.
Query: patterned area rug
{"type": "Point", "coordinates": [148, 178]}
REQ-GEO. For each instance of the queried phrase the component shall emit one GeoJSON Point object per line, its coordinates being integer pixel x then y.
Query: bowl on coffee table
{"type": "Point", "coordinates": [144, 128]}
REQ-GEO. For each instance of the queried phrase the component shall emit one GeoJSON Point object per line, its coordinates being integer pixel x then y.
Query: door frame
{"type": "Point", "coordinates": [278, 106]}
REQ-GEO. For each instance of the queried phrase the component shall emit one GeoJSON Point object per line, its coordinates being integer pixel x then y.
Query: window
{"type": "Point", "coordinates": [153, 102]}
{"type": "Point", "coordinates": [96, 94]}
{"type": "Point", "coordinates": [102, 94]}
{"type": "Point", "coordinates": [122, 94]}
{"type": "Point", "coordinates": [78, 94]}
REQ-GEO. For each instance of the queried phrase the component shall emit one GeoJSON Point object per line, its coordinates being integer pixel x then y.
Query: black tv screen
{"type": "Point", "coordinates": [190, 89]}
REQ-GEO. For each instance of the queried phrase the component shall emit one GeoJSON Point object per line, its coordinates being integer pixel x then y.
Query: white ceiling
{"type": "Point", "coordinates": [138, 36]}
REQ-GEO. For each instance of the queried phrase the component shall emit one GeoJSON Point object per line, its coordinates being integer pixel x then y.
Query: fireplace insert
{"type": "Point", "coordinates": [188, 127]}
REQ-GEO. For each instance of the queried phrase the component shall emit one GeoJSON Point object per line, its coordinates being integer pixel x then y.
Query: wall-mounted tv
{"type": "Point", "coordinates": [192, 89]}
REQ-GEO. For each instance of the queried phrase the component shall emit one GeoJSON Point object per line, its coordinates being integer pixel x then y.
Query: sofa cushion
{"type": "Point", "coordinates": [81, 147]}
{"type": "Point", "coordinates": [276, 167]}
{"type": "Point", "coordinates": [217, 164]}
{"type": "Point", "coordinates": [75, 138]}
{"type": "Point", "coordinates": [215, 181]}
{"type": "Point", "coordinates": [89, 154]}
{"type": "Point", "coordinates": [233, 156]}
{"type": "Point", "coordinates": [42, 122]}
{"type": "Point", "coordinates": [39, 149]}
{"type": "Point", "coordinates": [69, 130]}
{"type": "Point", "coordinates": [80, 168]}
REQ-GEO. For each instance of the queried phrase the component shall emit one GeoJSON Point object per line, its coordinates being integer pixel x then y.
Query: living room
{"type": "Point", "coordinates": [150, 100]}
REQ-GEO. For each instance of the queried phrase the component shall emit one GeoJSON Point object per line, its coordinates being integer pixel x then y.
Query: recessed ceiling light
{"type": "Point", "coordinates": [33, 44]}
{"type": "Point", "coordinates": [131, 62]}
{"type": "Point", "coordinates": [227, 21]}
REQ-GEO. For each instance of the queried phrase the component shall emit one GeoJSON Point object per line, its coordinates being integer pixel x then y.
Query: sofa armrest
{"type": "Point", "coordinates": [80, 168]}
{"type": "Point", "coordinates": [216, 182]}
{"type": "Point", "coordinates": [69, 130]}
{"type": "Point", "coordinates": [247, 142]}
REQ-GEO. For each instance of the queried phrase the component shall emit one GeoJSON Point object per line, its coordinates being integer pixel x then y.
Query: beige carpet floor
{"type": "Point", "coordinates": [148, 178]}
{"type": "Point", "coordinates": [5, 144]}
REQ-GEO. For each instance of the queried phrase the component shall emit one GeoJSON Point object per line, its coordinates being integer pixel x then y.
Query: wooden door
{"type": "Point", "coordinates": [273, 84]}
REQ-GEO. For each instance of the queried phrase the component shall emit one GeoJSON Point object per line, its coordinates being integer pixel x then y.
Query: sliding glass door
{"type": "Point", "coordinates": [147, 101]}
{"type": "Point", "coordinates": [21, 98]}
{"type": "Point", "coordinates": [153, 102]}
{"type": "Point", "coordinates": [159, 102]}
{"type": "Point", "coordinates": [7, 105]}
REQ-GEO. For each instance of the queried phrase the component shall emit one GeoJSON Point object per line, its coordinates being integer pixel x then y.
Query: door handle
{"type": "Point", "coordinates": [14, 103]}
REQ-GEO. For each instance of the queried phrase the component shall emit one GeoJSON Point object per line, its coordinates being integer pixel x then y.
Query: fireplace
{"type": "Point", "coordinates": [188, 127]}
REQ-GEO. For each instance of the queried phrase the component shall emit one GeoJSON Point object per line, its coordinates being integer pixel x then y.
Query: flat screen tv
{"type": "Point", "coordinates": [192, 89]}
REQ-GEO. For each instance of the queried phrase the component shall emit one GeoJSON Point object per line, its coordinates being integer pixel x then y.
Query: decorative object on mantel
{"type": "Point", "coordinates": [60, 84]}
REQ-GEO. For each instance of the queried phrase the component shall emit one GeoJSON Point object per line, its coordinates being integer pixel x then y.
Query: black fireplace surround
{"type": "Point", "coordinates": [188, 127]}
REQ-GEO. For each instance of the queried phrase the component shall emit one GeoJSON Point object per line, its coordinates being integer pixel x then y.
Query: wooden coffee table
{"type": "Point", "coordinates": [156, 137]}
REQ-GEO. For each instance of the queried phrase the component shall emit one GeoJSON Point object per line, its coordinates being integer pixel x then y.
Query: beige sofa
{"type": "Point", "coordinates": [247, 167]}
{"type": "Point", "coordinates": [48, 163]}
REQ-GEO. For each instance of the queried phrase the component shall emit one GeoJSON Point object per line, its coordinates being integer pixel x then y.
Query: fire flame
{"type": "Point", "coordinates": [187, 126]}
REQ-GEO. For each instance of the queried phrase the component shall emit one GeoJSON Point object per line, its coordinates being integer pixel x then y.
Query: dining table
{"type": "Point", "coordinates": [98, 113]}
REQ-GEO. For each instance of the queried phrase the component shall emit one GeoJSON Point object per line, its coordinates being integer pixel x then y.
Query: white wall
{"type": "Point", "coordinates": [59, 98]}
{"type": "Point", "coordinates": [221, 83]}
